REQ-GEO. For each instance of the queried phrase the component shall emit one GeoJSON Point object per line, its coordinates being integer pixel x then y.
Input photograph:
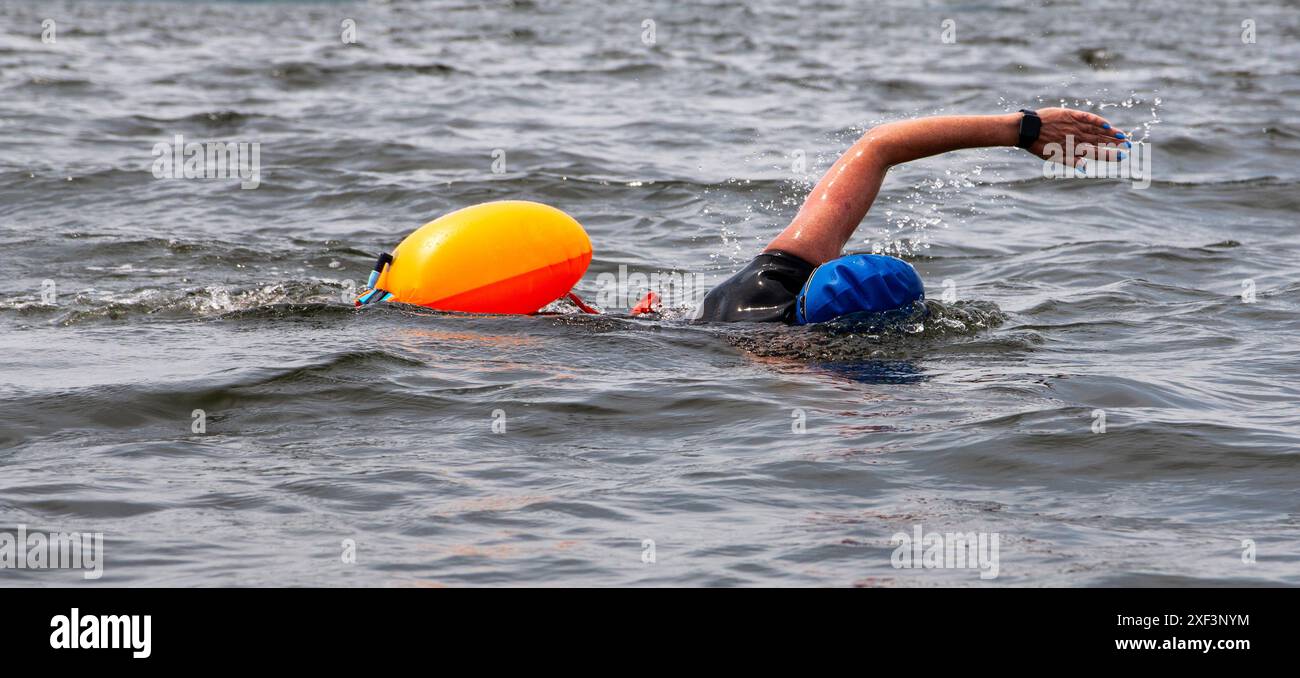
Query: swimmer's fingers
{"type": "Point", "coordinates": [1098, 130]}
{"type": "Point", "coordinates": [1102, 152]}
{"type": "Point", "coordinates": [1090, 120]}
{"type": "Point", "coordinates": [1077, 155]}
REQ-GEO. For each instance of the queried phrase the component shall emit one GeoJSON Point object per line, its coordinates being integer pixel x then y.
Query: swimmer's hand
{"type": "Point", "coordinates": [1073, 137]}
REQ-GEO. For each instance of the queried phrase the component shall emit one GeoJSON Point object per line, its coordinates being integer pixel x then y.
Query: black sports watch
{"type": "Point", "coordinates": [1030, 126]}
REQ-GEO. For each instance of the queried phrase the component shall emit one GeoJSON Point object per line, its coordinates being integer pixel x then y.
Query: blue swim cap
{"type": "Point", "coordinates": [857, 283]}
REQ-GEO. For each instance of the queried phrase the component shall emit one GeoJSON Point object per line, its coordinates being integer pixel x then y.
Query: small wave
{"type": "Point", "coordinates": [293, 299]}
{"type": "Point", "coordinates": [621, 70]}
{"type": "Point", "coordinates": [1098, 58]}
{"type": "Point", "coordinates": [308, 74]}
{"type": "Point", "coordinates": [215, 120]}
{"type": "Point", "coordinates": [45, 82]}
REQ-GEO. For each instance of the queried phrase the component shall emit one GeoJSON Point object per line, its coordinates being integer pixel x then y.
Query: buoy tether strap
{"type": "Point", "coordinates": [582, 304]}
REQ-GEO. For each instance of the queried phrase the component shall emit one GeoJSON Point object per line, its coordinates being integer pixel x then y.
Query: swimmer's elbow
{"type": "Point", "coordinates": [879, 145]}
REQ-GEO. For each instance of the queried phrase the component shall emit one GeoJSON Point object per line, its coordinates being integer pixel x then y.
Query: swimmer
{"type": "Point", "coordinates": [800, 276]}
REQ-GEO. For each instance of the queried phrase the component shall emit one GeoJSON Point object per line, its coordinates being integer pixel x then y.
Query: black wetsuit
{"type": "Point", "coordinates": [764, 291]}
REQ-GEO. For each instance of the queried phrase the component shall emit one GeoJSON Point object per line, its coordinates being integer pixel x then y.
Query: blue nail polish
{"type": "Point", "coordinates": [1120, 135]}
{"type": "Point", "coordinates": [1121, 155]}
{"type": "Point", "coordinates": [1105, 125]}
{"type": "Point", "coordinates": [1128, 145]}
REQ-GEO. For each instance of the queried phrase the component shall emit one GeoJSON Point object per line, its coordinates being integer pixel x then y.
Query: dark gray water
{"type": "Point", "coordinates": [325, 424]}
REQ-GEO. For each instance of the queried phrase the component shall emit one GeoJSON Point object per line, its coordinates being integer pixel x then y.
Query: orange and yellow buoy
{"type": "Point", "coordinates": [511, 256]}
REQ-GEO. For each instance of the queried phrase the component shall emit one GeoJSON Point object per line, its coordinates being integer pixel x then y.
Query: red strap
{"type": "Point", "coordinates": [650, 303]}
{"type": "Point", "coordinates": [582, 304]}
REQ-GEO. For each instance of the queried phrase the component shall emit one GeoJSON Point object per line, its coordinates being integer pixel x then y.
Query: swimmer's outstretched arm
{"type": "Point", "coordinates": [841, 199]}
